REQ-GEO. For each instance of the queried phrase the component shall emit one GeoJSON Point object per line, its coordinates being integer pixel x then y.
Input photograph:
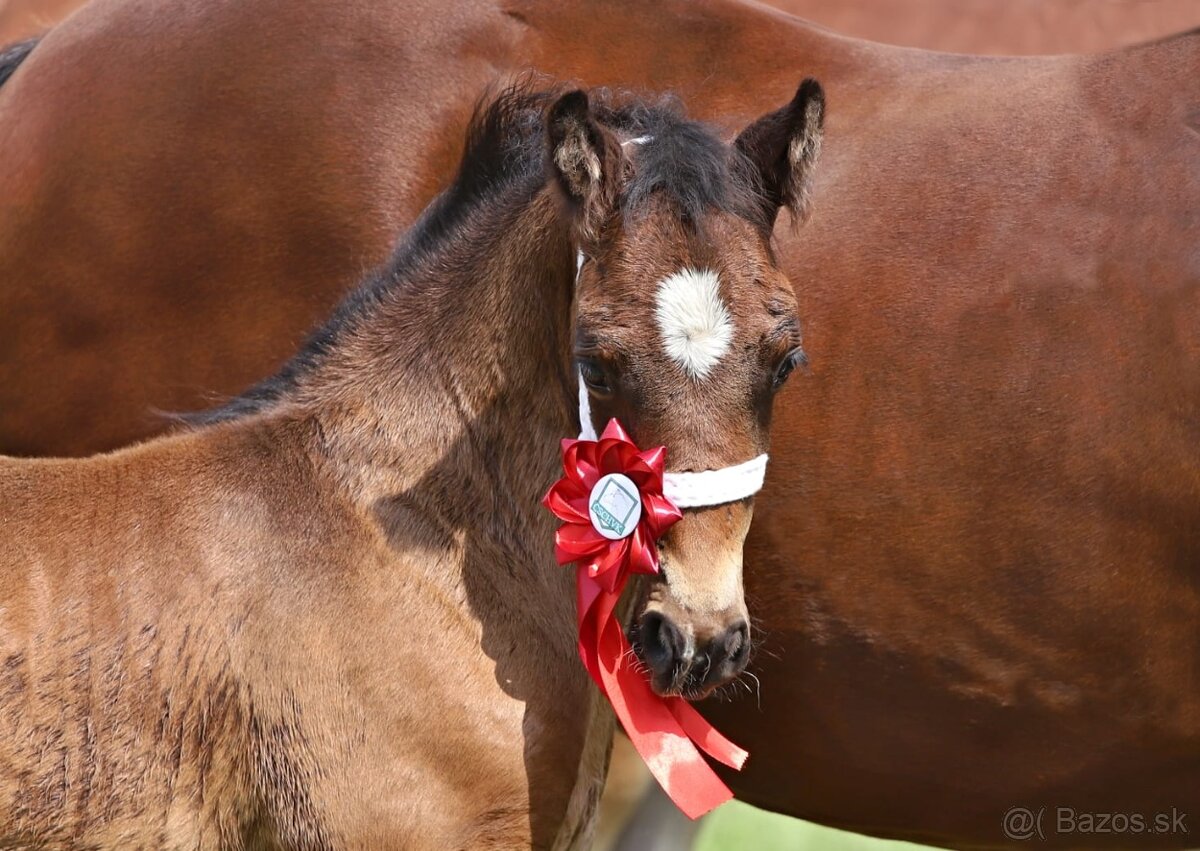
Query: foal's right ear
{"type": "Point", "coordinates": [585, 159]}
{"type": "Point", "coordinates": [784, 145]}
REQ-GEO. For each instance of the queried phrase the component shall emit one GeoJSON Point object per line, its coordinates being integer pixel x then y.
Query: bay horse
{"type": "Point", "coordinates": [972, 566]}
{"type": "Point", "coordinates": [327, 615]}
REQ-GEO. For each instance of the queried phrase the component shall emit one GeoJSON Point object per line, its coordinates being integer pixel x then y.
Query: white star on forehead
{"type": "Point", "coordinates": [693, 322]}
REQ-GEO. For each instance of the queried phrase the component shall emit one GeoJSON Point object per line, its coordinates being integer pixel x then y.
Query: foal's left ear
{"type": "Point", "coordinates": [585, 159]}
{"type": "Point", "coordinates": [784, 146]}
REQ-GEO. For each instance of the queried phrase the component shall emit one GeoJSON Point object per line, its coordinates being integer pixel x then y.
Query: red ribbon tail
{"type": "Point", "coordinates": [668, 734]}
{"type": "Point", "coordinates": [705, 735]}
{"type": "Point", "coordinates": [656, 734]}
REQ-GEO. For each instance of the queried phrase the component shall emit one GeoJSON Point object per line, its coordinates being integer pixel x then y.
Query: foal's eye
{"type": "Point", "coordinates": [791, 360]}
{"type": "Point", "coordinates": [594, 377]}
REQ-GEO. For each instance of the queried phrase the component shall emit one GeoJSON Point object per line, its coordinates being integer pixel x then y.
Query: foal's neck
{"type": "Point", "coordinates": [451, 393]}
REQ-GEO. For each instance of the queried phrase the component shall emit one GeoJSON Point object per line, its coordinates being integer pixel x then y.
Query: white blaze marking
{"type": "Point", "coordinates": [693, 321]}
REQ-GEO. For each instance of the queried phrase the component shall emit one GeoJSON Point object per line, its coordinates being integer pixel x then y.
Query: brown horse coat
{"type": "Point", "coordinates": [330, 617]}
{"type": "Point", "coordinates": [961, 26]}
{"type": "Point", "coordinates": [975, 559]}
{"type": "Point", "coordinates": [307, 627]}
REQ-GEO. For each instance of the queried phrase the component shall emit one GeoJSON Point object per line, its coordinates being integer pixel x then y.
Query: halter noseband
{"type": "Point", "coordinates": [687, 490]}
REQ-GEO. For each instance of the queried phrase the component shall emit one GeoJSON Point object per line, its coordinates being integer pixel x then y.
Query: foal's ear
{"type": "Point", "coordinates": [784, 146]}
{"type": "Point", "coordinates": [585, 159]}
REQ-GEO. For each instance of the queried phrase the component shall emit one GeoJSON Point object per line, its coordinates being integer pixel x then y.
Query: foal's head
{"type": "Point", "coordinates": [685, 329]}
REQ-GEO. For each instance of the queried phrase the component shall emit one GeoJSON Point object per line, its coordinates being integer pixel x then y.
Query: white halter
{"type": "Point", "coordinates": [687, 490]}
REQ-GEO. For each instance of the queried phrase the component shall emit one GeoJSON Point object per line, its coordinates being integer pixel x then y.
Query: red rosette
{"type": "Point", "coordinates": [585, 462]}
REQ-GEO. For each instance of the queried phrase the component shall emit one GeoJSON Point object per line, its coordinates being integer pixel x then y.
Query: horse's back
{"type": "Point", "coordinates": [154, 183]}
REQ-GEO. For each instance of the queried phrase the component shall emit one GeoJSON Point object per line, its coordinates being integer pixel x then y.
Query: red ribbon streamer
{"type": "Point", "coordinates": [667, 731]}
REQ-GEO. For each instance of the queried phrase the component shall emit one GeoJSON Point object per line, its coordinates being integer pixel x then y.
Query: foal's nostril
{"type": "Point", "coordinates": [737, 644]}
{"type": "Point", "coordinates": [663, 645]}
{"type": "Point", "coordinates": [725, 657]}
{"type": "Point", "coordinates": [676, 664]}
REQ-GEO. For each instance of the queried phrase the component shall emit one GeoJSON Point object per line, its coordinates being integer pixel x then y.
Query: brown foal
{"type": "Point", "coordinates": [327, 615]}
{"type": "Point", "coordinates": [978, 539]}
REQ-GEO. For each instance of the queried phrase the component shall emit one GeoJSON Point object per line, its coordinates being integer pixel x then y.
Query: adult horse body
{"type": "Point", "coordinates": [976, 26]}
{"type": "Point", "coordinates": [975, 570]}
{"type": "Point", "coordinates": [327, 618]}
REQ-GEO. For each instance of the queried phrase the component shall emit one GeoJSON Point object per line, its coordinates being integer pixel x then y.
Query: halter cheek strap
{"type": "Point", "coordinates": [687, 490]}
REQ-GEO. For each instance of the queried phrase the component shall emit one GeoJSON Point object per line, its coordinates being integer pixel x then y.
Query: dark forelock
{"type": "Point", "coordinates": [679, 158]}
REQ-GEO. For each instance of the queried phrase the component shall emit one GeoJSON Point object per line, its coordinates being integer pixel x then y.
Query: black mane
{"type": "Point", "coordinates": [503, 147]}
{"type": "Point", "coordinates": [682, 159]}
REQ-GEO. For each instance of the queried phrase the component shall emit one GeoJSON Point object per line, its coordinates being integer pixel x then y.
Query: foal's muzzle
{"type": "Point", "coordinates": [680, 663]}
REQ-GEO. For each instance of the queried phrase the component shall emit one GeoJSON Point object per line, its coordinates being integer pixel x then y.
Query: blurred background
{"type": "Point", "coordinates": [636, 815]}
